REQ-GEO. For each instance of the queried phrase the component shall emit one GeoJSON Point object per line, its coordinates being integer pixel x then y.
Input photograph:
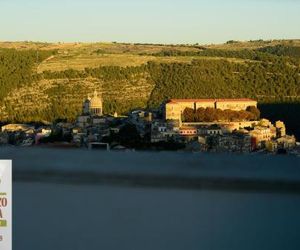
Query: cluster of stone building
{"type": "Point", "coordinates": [162, 126]}
{"type": "Point", "coordinates": [23, 134]}
{"type": "Point", "coordinates": [92, 125]}
{"type": "Point", "coordinates": [89, 129]}
{"type": "Point", "coordinates": [241, 136]}
{"type": "Point", "coordinates": [226, 137]}
{"type": "Point", "coordinates": [174, 108]}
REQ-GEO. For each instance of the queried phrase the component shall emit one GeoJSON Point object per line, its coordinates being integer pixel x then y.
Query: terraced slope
{"type": "Point", "coordinates": [52, 80]}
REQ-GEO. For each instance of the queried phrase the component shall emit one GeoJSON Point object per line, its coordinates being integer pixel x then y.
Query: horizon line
{"type": "Point", "coordinates": [148, 43]}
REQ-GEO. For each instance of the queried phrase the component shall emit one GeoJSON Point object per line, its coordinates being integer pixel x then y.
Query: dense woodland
{"type": "Point", "coordinates": [270, 74]}
{"type": "Point", "coordinates": [270, 54]}
{"type": "Point", "coordinates": [222, 79]}
{"type": "Point", "coordinates": [16, 68]}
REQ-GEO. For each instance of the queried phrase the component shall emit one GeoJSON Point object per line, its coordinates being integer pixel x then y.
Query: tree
{"type": "Point", "coordinates": [188, 115]}
{"type": "Point", "coordinates": [255, 111]}
{"type": "Point", "coordinates": [220, 115]}
{"type": "Point", "coordinates": [243, 115]}
{"type": "Point", "coordinates": [200, 115]}
{"type": "Point", "coordinates": [210, 115]}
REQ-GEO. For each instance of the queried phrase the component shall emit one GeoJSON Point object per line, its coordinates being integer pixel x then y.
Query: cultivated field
{"type": "Point", "coordinates": [79, 56]}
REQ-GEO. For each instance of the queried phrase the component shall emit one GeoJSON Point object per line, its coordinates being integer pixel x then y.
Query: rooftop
{"type": "Point", "coordinates": [212, 100]}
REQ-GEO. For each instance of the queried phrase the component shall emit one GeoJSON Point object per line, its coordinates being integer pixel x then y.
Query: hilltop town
{"type": "Point", "coordinates": [45, 82]}
{"type": "Point", "coordinates": [198, 125]}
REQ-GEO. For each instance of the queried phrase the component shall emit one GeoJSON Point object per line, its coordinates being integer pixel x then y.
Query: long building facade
{"type": "Point", "coordinates": [174, 108]}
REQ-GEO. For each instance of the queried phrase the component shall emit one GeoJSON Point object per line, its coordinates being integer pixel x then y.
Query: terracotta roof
{"type": "Point", "coordinates": [212, 100]}
{"type": "Point", "coordinates": [192, 100]}
{"type": "Point", "coordinates": [173, 102]}
{"type": "Point", "coordinates": [236, 100]}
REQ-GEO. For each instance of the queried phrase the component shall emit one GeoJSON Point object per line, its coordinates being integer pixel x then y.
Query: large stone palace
{"type": "Point", "coordinates": [175, 107]}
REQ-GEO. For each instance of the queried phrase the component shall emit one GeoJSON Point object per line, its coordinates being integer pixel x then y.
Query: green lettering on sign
{"type": "Point", "coordinates": [3, 223]}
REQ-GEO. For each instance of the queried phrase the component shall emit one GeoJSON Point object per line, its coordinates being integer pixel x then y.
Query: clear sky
{"type": "Point", "coordinates": [157, 21]}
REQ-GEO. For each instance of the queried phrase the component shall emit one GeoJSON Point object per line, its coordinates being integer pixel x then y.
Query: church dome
{"type": "Point", "coordinates": [96, 105]}
{"type": "Point", "coordinates": [96, 101]}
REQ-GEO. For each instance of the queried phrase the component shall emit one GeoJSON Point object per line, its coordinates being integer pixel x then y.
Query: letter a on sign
{"type": "Point", "coordinates": [6, 204]}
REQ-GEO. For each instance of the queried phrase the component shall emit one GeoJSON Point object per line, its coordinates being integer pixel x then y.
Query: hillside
{"type": "Point", "coordinates": [45, 81]}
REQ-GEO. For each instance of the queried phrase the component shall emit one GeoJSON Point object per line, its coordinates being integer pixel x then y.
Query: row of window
{"type": "Point", "coordinates": [96, 111]}
{"type": "Point", "coordinates": [188, 132]}
{"type": "Point", "coordinates": [195, 132]}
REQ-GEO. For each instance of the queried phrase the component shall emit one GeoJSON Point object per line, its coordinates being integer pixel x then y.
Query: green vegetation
{"type": "Point", "coordinates": [222, 79]}
{"type": "Point", "coordinates": [141, 75]}
{"type": "Point", "coordinates": [16, 68]}
{"type": "Point", "coordinates": [216, 115]}
{"type": "Point", "coordinates": [281, 50]}
{"type": "Point", "coordinates": [276, 54]}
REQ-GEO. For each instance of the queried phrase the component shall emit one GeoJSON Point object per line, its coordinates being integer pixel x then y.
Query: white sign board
{"type": "Point", "coordinates": [6, 204]}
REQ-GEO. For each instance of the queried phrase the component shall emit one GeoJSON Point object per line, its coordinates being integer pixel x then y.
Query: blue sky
{"type": "Point", "coordinates": [157, 21]}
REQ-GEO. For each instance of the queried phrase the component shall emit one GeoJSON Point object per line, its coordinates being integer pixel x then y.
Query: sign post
{"type": "Point", "coordinates": [6, 204]}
